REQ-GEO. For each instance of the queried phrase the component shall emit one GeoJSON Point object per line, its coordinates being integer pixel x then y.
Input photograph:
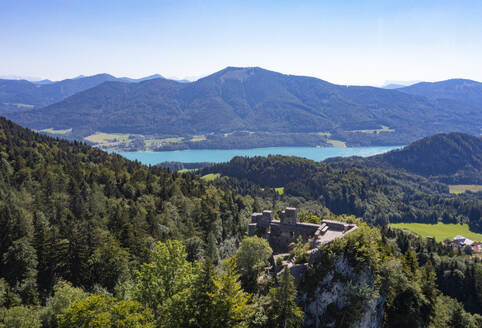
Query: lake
{"type": "Point", "coordinates": [224, 155]}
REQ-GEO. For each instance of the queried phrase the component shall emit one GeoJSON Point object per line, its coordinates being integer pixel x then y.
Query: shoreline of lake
{"type": "Point", "coordinates": [225, 155]}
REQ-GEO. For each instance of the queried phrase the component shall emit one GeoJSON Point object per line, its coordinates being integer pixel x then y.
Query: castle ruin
{"type": "Point", "coordinates": [280, 234]}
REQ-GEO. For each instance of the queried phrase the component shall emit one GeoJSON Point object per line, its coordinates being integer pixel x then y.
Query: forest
{"type": "Point", "coordinates": [452, 158]}
{"type": "Point", "coordinates": [378, 196]}
{"type": "Point", "coordinates": [90, 239]}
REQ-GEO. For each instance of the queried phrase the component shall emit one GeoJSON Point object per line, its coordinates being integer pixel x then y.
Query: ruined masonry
{"type": "Point", "coordinates": [285, 231]}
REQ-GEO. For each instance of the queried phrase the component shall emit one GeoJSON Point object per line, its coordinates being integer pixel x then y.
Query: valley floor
{"type": "Point", "coordinates": [440, 231]}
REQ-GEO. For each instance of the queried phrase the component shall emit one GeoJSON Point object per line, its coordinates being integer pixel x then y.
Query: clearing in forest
{"type": "Point", "coordinates": [440, 231]}
{"type": "Point", "coordinates": [210, 176]}
{"type": "Point", "coordinates": [53, 131]}
{"type": "Point", "coordinates": [458, 189]}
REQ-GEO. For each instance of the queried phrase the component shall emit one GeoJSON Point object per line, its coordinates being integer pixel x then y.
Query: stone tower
{"type": "Point", "coordinates": [265, 219]}
{"type": "Point", "coordinates": [289, 216]}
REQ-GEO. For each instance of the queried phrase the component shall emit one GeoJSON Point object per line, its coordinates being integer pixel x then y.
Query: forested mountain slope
{"type": "Point", "coordinates": [79, 247]}
{"type": "Point", "coordinates": [377, 195]}
{"type": "Point", "coordinates": [65, 208]}
{"type": "Point", "coordinates": [18, 95]}
{"type": "Point", "coordinates": [461, 90]}
{"type": "Point", "coordinates": [448, 157]}
{"type": "Point", "coordinates": [254, 99]}
{"type": "Point", "coordinates": [454, 158]}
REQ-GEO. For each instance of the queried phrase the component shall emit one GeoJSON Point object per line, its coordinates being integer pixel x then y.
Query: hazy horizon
{"type": "Point", "coordinates": [36, 79]}
{"type": "Point", "coordinates": [369, 43]}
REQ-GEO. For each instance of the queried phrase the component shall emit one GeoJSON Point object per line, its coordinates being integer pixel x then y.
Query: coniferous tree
{"type": "Point", "coordinates": [429, 290]}
{"type": "Point", "coordinates": [283, 311]}
{"type": "Point", "coordinates": [233, 310]}
{"type": "Point", "coordinates": [20, 269]}
{"type": "Point", "coordinates": [212, 250]}
{"type": "Point", "coordinates": [204, 304]}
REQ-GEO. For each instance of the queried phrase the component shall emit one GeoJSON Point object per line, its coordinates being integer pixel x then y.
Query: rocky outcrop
{"type": "Point", "coordinates": [337, 295]}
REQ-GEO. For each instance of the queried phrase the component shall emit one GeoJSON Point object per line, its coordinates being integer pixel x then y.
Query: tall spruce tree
{"type": "Point", "coordinates": [204, 306]}
{"type": "Point", "coordinates": [233, 310]}
{"type": "Point", "coordinates": [212, 250]}
{"type": "Point", "coordinates": [283, 311]}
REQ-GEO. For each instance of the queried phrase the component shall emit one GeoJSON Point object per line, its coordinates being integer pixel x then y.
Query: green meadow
{"type": "Point", "coordinates": [210, 176]}
{"type": "Point", "coordinates": [458, 189]}
{"type": "Point", "coordinates": [280, 190]}
{"type": "Point", "coordinates": [53, 131]}
{"type": "Point", "coordinates": [336, 143]}
{"type": "Point", "coordinates": [440, 231]}
{"type": "Point", "coordinates": [376, 131]}
{"type": "Point", "coordinates": [102, 138]}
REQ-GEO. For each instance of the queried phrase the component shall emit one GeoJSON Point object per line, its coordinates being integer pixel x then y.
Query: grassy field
{"type": "Point", "coordinates": [458, 189]}
{"type": "Point", "coordinates": [20, 105]}
{"type": "Point", "coordinates": [198, 138]}
{"type": "Point", "coordinates": [101, 137]}
{"type": "Point", "coordinates": [187, 170]}
{"type": "Point", "coordinates": [336, 143]}
{"type": "Point", "coordinates": [375, 131]}
{"type": "Point", "coordinates": [230, 133]}
{"type": "Point", "coordinates": [52, 131]}
{"type": "Point", "coordinates": [280, 190]}
{"type": "Point", "coordinates": [210, 176]}
{"type": "Point", "coordinates": [440, 231]}
{"type": "Point", "coordinates": [160, 142]}
{"type": "Point", "coordinates": [326, 134]}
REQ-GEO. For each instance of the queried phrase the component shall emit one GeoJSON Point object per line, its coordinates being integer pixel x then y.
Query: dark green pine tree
{"type": "Point", "coordinates": [203, 297]}
{"type": "Point", "coordinates": [41, 245]}
{"type": "Point", "coordinates": [429, 290]}
{"type": "Point", "coordinates": [283, 311]}
{"type": "Point", "coordinates": [211, 249]}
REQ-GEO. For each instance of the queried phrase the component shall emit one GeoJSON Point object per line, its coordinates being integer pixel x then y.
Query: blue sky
{"type": "Point", "coordinates": [346, 42]}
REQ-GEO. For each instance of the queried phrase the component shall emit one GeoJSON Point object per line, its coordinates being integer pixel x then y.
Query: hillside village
{"type": "Point", "coordinates": [460, 242]}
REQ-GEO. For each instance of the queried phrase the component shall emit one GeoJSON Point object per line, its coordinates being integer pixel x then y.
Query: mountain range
{"type": "Point", "coordinates": [461, 90]}
{"type": "Point", "coordinates": [23, 94]}
{"type": "Point", "coordinates": [257, 100]}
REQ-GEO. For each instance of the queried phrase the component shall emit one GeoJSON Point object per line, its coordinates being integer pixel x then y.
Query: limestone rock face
{"type": "Point", "coordinates": [329, 300]}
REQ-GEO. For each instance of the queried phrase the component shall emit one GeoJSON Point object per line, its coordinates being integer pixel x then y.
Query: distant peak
{"type": "Point", "coordinates": [105, 75]}
{"type": "Point", "coordinates": [234, 68]}
{"type": "Point", "coordinates": [154, 76]}
{"type": "Point", "coordinates": [246, 69]}
{"type": "Point", "coordinates": [236, 73]}
{"type": "Point", "coordinates": [455, 81]}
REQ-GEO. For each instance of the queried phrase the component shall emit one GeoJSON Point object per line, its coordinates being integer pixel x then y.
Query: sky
{"type": "Point", "coordinates": [345, 42]}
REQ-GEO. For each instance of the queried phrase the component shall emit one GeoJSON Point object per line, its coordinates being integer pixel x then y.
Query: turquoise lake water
{"type": "Point", "coordinates": [224, 155]}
